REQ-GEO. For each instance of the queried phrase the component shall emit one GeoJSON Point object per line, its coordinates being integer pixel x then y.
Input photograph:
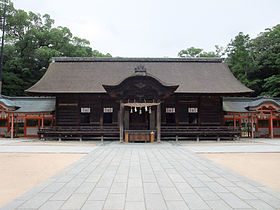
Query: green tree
{"type": "Point", "coordinates": [266, 49]}
{"type": "Point", "coordinates": [241, 60]}
{"type": "Point", "coordinates": [30, 43]}
{"type": "Point", "coordinates": [193, 52]}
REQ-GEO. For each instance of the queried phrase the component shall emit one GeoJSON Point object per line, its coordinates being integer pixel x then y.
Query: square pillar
{"type": "Point", "coordinates": [121, 121]}
{"type": "Point", "coordinates": [158, 122]}
{"type": "Point", "coordinates": [12, 127]}
{"type": "Point", "coordinates": [252, 126]}
{"type": "Point", "coordinates": [271, 127]}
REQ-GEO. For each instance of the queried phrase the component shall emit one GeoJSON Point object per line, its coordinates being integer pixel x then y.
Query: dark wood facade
{"type": "Point", "coordinates": [68, 111]}
{"type": "Point", "coordinates": [161, 97]}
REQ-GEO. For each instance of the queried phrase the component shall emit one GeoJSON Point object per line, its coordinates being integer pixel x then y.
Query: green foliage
{"type": "Point", "coordinates": [193, 52]}
{"type": "Point", "coordinates": [254, 62]}
{"type": "Point", "coordinates": [30, 43]}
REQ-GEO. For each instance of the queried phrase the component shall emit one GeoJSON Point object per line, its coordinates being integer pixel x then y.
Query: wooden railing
{"type": "Point", "coordinates": [199, 132]}
{"type": "Point", "coordinates": [79, 132]}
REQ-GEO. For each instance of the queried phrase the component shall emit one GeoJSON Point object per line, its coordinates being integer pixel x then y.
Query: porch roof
{"type": "Point", "coordinates": [243, 104]}
{"type": "Point", "coordinates": [29, 104]}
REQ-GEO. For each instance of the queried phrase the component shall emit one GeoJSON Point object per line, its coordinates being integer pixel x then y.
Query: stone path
{"type": "Point", "coordinates": [147, 176]}
{"type": "Point", "coordinates": [234, 148]}
{"type": "Point", "coordinates": [47, 149]}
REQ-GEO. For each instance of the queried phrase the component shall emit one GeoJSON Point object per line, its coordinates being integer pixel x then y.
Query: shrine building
{"type": "Point", "coordinates": [139, 99]}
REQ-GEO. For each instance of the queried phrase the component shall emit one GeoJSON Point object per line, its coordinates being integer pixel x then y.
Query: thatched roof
{"type": "Point", "coordinates": [87, 75]}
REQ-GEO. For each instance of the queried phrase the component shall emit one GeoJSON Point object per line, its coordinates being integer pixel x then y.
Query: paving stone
{"type": "Point", "coordinates": [178, 205]}
{"type": "Point", "coordinates": [194, 182]}
{"type": "Point", "coordinates": [118, 187]}
{"type": "Point", "coordinates": [135, 194]}
{"type": "Point", "coordinates": [99, 194]}
{"type": "Point", "coordinates": [271, 200]}
{"type": "Point", "coordinates": [218, 205]}
{"type": "Point", "coordinates": [115, 201]}
{"type": "Point", "coordinates": [206, 194]}
{"type": "Point", "coordinates": [151, 188]}
{"type": "Point", "coordinates": [248, 187]}
{"type": "Point", "coordinates": [258, 204]}
{"type": "Point", "coordinates": [135, 182]}
{"type": "Point", "coordinates": [148, 178]}
{"type": "Point", "coordinates": [216, 187]}
{"type": "Point", "coordinates": [121, 178]}
{"type": "Point", "coordinates": [86, 187]}
{"type": "Point", "coordinates": [93, 205]}
{"type": "Point", "coordinates": [36, 201]}
{"type": "Point", "coordinates": [184, 188]}
{"type": "Point", "coordinates": [204, 178]}
{"type": "Point", "coordinates": [63, 194]}
{"type": "Point", "coordinates": [241, 193]}
{"type": "Point", "coordinates": [233, 201]}
{"type": "Point", "coordinates": [155, 202]}
{"type": "Point", "coordinates": [53, 205]}
{"type": "Point", "coordinates": [76, 201]}
{"type": "Point", "coordinates": [170, 193]}
{"type": "Point", "coordinates": [135, 206]}
{"type": "Point", "coordinates": [54, 187]}
{"type": "Point", "coordinates": [194, 201]}
{"type": "Point", "coordinates": [224, 182]}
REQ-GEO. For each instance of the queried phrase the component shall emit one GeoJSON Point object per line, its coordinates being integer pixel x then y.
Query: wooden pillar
{"type": "Point", "coordinates": [101, 114]}
{"type": "Point", "coordinates": [121, 121]}
{"type": "Point", "coordinates": [271, 126]}
{"type": "Point", "coordinates": [12, 127]}
{"type": "Point", "coordinates": [158, 122]}
{"type": "Point", "coordinates": [252, 126]}
{"type": "Point", "coordinates": [234, 122]}
{"type": "Point", "coordinates": [42, 123]}
{"type": "Point", "coordinates": [152, 120]}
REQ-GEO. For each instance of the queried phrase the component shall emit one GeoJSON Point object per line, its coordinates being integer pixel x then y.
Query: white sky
{"type": "Point", "coordinates": [157, 28]}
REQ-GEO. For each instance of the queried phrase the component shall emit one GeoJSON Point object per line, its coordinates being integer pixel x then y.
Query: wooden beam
{"type": "Point", "coordinates": [158, 122]}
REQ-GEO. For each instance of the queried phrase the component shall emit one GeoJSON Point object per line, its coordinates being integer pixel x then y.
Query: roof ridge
{"type": "Point", "coordinates": [134, 59]}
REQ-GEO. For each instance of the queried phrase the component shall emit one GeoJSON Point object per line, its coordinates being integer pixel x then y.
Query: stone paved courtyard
{"type": "Point", "coordinates": [147, 176]}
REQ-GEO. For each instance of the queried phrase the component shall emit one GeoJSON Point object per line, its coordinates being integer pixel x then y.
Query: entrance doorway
{"type": "Point", "coordinates": [139, 120]}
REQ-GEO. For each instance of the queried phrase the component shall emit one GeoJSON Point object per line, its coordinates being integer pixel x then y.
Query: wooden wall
{"type": "Point", "coordinates": [68, 109]}
{"type": "Point", "coordinates": [211, 110]}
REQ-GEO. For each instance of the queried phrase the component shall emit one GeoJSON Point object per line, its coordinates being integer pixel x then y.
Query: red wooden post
{"type": "Point", "coordinates": [271, 126]}
{"type": "Point", "coordinates": [252, 126]}
{"type": "Point", "coordinates": [42, 124]}
{"type": "Point", "coordinates": [234, 122]}
{"type": "Point", "coordinates": [12, 127]}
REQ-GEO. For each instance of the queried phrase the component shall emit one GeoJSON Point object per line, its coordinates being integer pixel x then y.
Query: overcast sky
{"type": "Point", "coordinates": [157, 28]}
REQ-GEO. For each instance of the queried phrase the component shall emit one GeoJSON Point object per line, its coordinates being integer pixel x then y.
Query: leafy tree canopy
{"type": "Point", "coordinates": [254, 62]}
{"type": "Point", "coordinates": [31, 41]}
{"type": "Point", "coordinates": [193, 52]}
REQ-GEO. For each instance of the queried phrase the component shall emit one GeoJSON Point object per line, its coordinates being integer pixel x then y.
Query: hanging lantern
{"type": "Point", "coordinates": [135, 109]}
{"type": "Point", "coordinates": [150, 110]}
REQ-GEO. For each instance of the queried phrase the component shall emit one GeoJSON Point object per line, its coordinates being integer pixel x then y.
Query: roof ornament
{"type": "Point", "coordinates": [140, 69]}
